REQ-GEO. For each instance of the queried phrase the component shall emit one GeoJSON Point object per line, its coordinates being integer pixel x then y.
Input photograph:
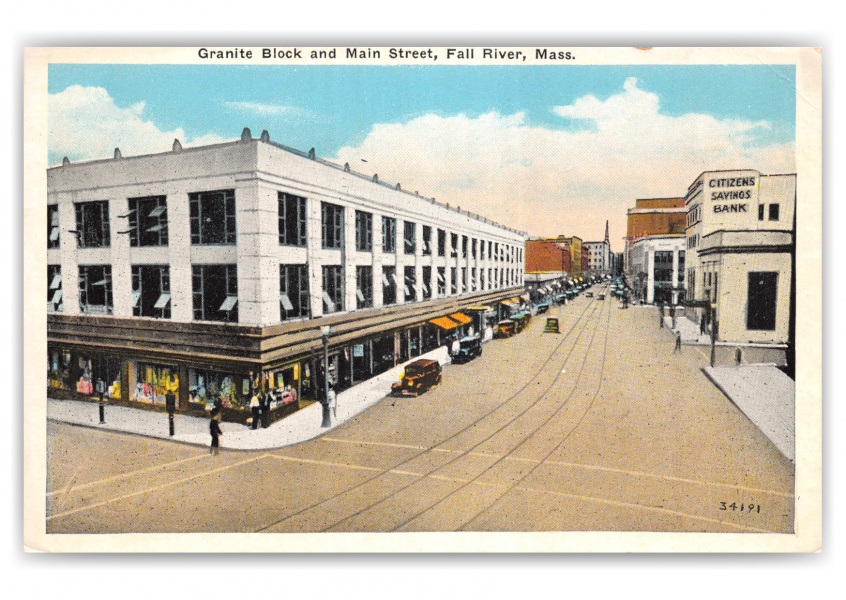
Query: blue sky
{"type": "Point", "coordinates": [394, 116]}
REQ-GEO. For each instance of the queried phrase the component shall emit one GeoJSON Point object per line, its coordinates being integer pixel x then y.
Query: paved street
{"type": "Point", "coordinates": [600, 427]}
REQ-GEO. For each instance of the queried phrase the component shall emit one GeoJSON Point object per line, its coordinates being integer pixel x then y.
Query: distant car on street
{"type": "Point", "coordinates": [551, 325]}
{"type": "Point", "coordinates": [468, 349]}
{"type": "Point", "coordinates": [542, 307]}
{"type": "Point", "coordinates": [588, 294]}
{"type": "Point", "coordinates": [504, 329]}
{"type": "Point", "coordinates": [601, 297]}
{"type": "Point", "coordinates": [418, 377]}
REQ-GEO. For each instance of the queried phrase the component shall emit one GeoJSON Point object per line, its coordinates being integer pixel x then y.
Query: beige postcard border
{"type": "Point", "coordinates": [808, 520]}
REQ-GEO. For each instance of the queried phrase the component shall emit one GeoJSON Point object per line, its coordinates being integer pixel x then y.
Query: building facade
{"type": "Point", "coordinates": [599, 256]}
{"type": "Point", "coordinates": [740, 232]}
{"type": "Point", "coordinates": [657, 269]}
{"type": "Point", "coordinates": [213, 272]}
{"type": "Point", "coordinates": [548, 265]}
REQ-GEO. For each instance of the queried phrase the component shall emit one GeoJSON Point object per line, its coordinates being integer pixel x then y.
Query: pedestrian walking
{"type": "Point", "coordinates": [265, 411]}
{"type": "Point", "coordinates": [333, 401]}
{"type": "Point", "coordinates": [678, 347]}
{"type": "Point", "coordinates": [673, 314]}
{"type": "Point", "coordinates": [216, 432]}
{"type": "Point", "coordinates": [661, 315]}
{"type": "Point", "coordinates": [255, 408]}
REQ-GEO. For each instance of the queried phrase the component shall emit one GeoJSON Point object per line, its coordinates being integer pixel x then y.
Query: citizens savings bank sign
{"type": "Point", "coordinates": [733, 192]}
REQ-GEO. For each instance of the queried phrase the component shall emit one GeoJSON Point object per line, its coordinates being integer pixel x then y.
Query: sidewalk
{"type": "Point", "coordinates": [766, 396]}
{"type": "Point", "coordinates": [690, 335]}
{"type": "Point", "coordinates": [298, 427]}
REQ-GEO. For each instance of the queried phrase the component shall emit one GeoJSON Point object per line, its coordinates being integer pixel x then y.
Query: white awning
{"type": "Point", "coordinates": [136, 296]}
{"type": "Point", "coordinates": [330, 306]}
{"type": "Point", "coordinates": [153, 228]}
{"type": "Point", "coordinates": [54, 234]}
{"type": "Point", "coordinates": [57, 297]}
{"type": "Point", "coordinates": [165, 298]}
{"type": "Point", "coordinates": [157, 211]}
{"type": "Point", "coordinates": [359, 295]}
{"type": "Point", "coordinates": [229, 303]}
{"type": "Point", "coordinates": [385, 281]}
{"type": "Point", "coordinates": [57, 280]}
{"type": "Point", "coordinates": [286, 302]}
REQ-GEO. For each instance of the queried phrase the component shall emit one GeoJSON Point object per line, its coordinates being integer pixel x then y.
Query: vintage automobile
{"type": "Point", "coordinates": [418, 377]}
{"type": "Point", "coordinates": [542, 307]}
{"type": "Point", "coordinates": [551, 325]}
{"type": "Point", "coordinates": [588, 294]}
{"type": "Point", "coordinates": [601, 297]}
{"type": "Point", "coordinates": [468, 349]}
{"type": "Point", "coordinates": [504, 329]}
{"type": "Point", "coordinates": [520, 321]}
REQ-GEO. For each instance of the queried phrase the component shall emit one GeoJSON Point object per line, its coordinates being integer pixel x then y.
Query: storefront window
{"type": "Point", "coordinates": [150, 383]}
{"type": "Point", "coordinates": [383, 353]}
{"type": "Point", "coordinates": [59, 370]}
{"type": "Point", "coordinates": [214, 388]}
{"type": "Point", "coordinates": [283, 384]}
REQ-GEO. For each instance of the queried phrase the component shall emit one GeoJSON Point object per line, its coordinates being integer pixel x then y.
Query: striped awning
{"type": "Point", "coordinates": [444, 323]}
{"type": "Point", "coordinates": [461, 318]}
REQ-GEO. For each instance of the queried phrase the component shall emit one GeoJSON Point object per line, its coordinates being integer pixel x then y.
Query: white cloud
{"type": "Point", "coordinates": [263, 109]}
{"type": "Point", "coordinates": [549, 181]}
{"type": "Point", "coordinates": [85, 124]}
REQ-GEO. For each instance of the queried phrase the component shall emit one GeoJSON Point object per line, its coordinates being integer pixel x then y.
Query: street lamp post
{"type": "Point", "coordinates": [325, 400]}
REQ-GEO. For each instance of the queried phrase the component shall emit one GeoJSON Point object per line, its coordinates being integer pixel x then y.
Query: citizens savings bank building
{"type": "Point", "coordinates": [219, 271]}
{"type": "Point", "coordinates": [740, 233]}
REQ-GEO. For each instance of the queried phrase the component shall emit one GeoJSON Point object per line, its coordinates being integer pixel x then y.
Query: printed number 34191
{"type": "Point", "coordinates": [741, 507]}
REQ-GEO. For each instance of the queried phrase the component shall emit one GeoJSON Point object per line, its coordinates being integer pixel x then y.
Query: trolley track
{"type": "Point", "coordinates": [582, 319]}
{"type": "Point", "coordinates": [465, 485]}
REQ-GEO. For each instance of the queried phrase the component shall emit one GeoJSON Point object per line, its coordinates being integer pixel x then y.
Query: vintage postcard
{"type": "Point", "coordinates": [423, 299]}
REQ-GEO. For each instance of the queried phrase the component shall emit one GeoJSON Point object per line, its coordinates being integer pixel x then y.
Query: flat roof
{"type": "Point", "coordinates": [179, 149]}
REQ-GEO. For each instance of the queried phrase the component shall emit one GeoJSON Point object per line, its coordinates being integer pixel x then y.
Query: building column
{"type": "Point", "coordinates": [650, 277]}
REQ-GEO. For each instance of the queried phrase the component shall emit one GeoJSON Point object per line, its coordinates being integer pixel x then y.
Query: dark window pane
{"type": "Point", "coordinates": [215, 292]}
{"type": "Point", "coordinates": [212, 216]}
{"type": "Point", "coordinates": [761, 305]}
{"type": "Point", "coordinates": [92, 224]}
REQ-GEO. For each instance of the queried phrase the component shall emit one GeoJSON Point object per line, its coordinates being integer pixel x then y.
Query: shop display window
{"type": "Point", "coordinates": [150, 383]}
{"type": "Point", "coordinates": [283, 385]}
{"type": "Point", "coordinates": [59, 370]}
{"type": "Point", "coordinates": [430, 338]}
{"type": "Point", "coordinates": [94, 374]}
{"type": "Point", "coordinates": [213, 388]}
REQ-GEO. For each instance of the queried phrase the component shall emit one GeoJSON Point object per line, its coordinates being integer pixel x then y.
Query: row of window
{"type": "Point", "coordinates": [663, 266]}
{"type": "Point", "coordinates": [213, 222]}
{"type": "Point", "coordinates": [215, 288]}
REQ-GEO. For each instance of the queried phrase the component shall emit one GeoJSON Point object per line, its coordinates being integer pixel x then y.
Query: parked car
{"type": "Point", "coordinates": [601, 297]}
{"type": "Point", "coordinates": [468, 349]}
{"type": "Point", "coordinates": [551, 325]}
{"type": "Point", "coordinates": [521, 320]}
{"type": "Point", "coordinates": [504, 329]}
{"type": "Point", "coordinates": [418, 377]}
{"type": "Point", "coordinates": [542, 307]}
{"type": "Point", "coordinates": [588, 294]}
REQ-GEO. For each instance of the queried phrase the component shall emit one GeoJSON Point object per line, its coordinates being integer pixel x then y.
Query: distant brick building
{"type": "Point", "coordinates": [547, 256]}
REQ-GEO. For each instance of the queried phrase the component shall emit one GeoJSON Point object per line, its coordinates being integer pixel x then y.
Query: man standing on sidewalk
{"type": "Point", "coordinates": [678, 347]}
{"type": "Point", "coordinates": [661, 315]}
{"type": "Point", "coordinates": [216, 432]}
